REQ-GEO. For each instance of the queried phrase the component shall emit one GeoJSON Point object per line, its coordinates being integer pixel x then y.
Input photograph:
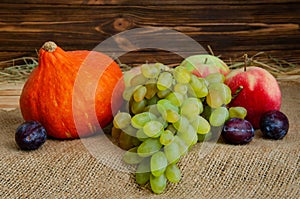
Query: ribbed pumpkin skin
{"type": "Point", "coordinates": [49, 96]}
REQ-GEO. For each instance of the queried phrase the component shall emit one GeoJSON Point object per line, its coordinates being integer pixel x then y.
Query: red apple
{"type": "Point", "coordinates": [259, 92]}
{"type": "Point", "coordinates": [203, 65]}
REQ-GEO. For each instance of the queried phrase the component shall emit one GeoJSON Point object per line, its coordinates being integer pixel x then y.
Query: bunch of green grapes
{"type": "Point", "coordinates": [168, 110]}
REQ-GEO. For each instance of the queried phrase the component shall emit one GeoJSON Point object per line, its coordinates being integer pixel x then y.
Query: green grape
{"type": "Point", "coordinates": [188, 136]}
{"type": "Point", "coordinates": [127, 76]}
{"type": "Point", "coordinates": [153, 100]}
{"type": "Point", "coordinates": [158, 163]}
{"type": "Point", "coordinates": [122, 120]}
{"type": "Point", "coordinates": [191, 107]}
{"type": "Point", "coordinates": [219, 116]}
{"type": "Point", "coordinates": [172, 152]}
{"type": "Point", "coordinates": [215, 78]}
{"type": "Point", "coordinates": [139, 93]}
{"type": "Point", "coordinates": [164, 93]}
{"type": "Point", "coordinates": [175, 98]}
{"type": "Point", "coordinates": [171, 116]}
{"type": "Point", "coordinates": [141, 135]}
{"type": "Point", "coordinates": [198, 86]}
{"type": "Point", "coordinates": [135, 141]}
{"type": "Point", "coordinates": [130, 130]}
{"type": "Point", "coordinates": [218, 94]}
{"type": "Point", "coordinates": [182, 124]}
{"type": "Point", "coordinates": [164, 81]}
{"type": "Point", "coordinates": [162, 121]}
{"type": "Point", "coordinates": [151, 90]}
{"type": "Point", "coordinates": [161, 67]}
{"type": "Point", "coordinates": [131, 156]}
{"type": "Point", "coordinates": [115, 132]}
{"type": "Point", "coordinates": [142, 174]}
{"type": "Point", "coordinates": [125, 141]}
{"type": "Point", "coordinates": [171, 128]}
{"type": "Point", "coordinates": [128, 92]}
{"type": "Point", "coordinates": [152, 109]}
{"type": "Point", "coordinates": [166, 137]}
{"type": "Point", "coordinates": [182, 146]}
{"type": "Point", "coordinates": [153, 128]}
{"type": "Point", "coordinates": [201, 125]}
{"type": "Point", "coordinates": [139, 79]}
{"type": "Point", "coordinates": [158, 184]}
{"type": "Point", "coordinates": [237, 112]}
{"type": "Point", "coordinates": [182, 75]}
{"type": "Point", "coordinates": [164, 104]}
{"type": "Point", "coordinates": [139, 120]}
{"type": "Point", "coordinates": [150, 70]}
{"type": "Point", "coordinates": [149, 147]}
{"type": "Point", "coordinates": [138, 107]}
{"type": "Point", "coordinates": [202, 137]}
{"type": "Point", "coordinates": [181, 88]}
{"type": "Point", "coordinates": [206, 112]}
{"type": "Point", "coordinates": [173, 173]}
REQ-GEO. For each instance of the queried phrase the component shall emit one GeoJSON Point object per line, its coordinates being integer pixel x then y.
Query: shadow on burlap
{"type": "Point", "coordinates": [66, 169]}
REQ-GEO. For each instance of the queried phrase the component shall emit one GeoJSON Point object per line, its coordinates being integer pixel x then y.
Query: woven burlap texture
{"type": "Point", "coordinates": [66, 169]}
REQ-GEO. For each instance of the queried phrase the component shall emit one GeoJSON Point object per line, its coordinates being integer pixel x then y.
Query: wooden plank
{"type": "Point", "coordinates": [146, 2]}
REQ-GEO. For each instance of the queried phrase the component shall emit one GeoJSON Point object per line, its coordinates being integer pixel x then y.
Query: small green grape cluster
{"type": "Point", "coordinates": [168, 110]}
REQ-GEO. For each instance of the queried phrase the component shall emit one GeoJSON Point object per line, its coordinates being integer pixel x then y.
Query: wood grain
{"type": "Point", "coordinates": [231, 28]}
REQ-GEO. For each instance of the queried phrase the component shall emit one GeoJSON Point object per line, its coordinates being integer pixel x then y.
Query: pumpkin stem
{"type": "Point", "coordinates": [49, 46]}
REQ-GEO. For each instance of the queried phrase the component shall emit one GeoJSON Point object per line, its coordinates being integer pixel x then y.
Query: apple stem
{"type": "Point", "coordinates": [245, 62]}
{"type": "Point", "coordinates": [238, 90]}
{"type": "Point", "coordinates": [205, 61]}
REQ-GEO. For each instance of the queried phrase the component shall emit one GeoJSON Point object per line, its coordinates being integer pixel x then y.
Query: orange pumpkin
{"type": "Point", "coordinates": [71, 92]}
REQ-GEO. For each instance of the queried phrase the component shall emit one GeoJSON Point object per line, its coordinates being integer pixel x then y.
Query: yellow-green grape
{"type": "Point", "coordinates": [237, 112]}
{"type": "Point", "coordinates": [164, 93]}
{"type": "Point", "coordinates": [150, 70]}
{"type": "Point", "coordinates": [201, 125]}
{"type": "Point", "coordinates": [175, 98]}
{"type": "Point", "coordinates": [139, 79]}
{"type": "Point", "coordinates": [161, 67]}
{"type": "Point", "coordinates": [198, 86]}
{"type": "Point", "coordinates": [152, 109]}
{"type": "Point", "coordinates": [139, 120]}
{"type": "Point", "coordinates": [142, 174]}
{"type": "Point", "coordinates": [158, 184]}
{"type": "Point", "coordinates": [153, 128]}
{"type": "Point", "coordinates": [149, 147]}
{"type": "Point", "coordinates": [164, 104]}
{"type": "Point", "coordinates": [125, 141]}
{"type": "Point", "coordinates": [139, 94]}
{"type": "Point", "coordinates": [151, 90]}
{"type": "Point", "coordinates": [182, 124]}
{"type": "Point", "coordinates": [182, 146]}
{"type": "Point", "coordinates": [131, 156]}
{"type": "Point", "coordinates": [206, 112]}
{"type": "Point", "coordinates": [153, 100]}
{"type": "Point", "coordinates": [171, 128]}
{"type": "Point", "coordinates": [171, 116]}
{"type": "Point", "coordinates": [158, 163]}
{"type": "Point", "coordinates": [138, 107]}
{"type": "Point", "coordinates": [115, 132]}
{"type": "Point", "coordinates": [181, 88]}
{"type": "Point", "coordinates": [164, 81]}
{"type": "Point", "coordinates": [128, 92]}
{"type": "Point", "coordinates": [173, 173]}
{"type": "Point", "coordinates": [166, 137]}
{"type": "Point", "coordinates": [202, 137]}
{"type": "Point", "coordinates": [127, 76]}
{"type": "Point", "coordinates": [218, 94]}
{"type": "Point", "coordinates": [191, 107]}
{"type": "Point", "coordinates": [135, 141]}
{"type": "Point", "coordinates": [219, 116]}
{"type": "Point", "coordinates": [172, 152]}
{"type": "Point", "coordinates": [130, 130]}
{"type": "Point", "coordinates": [122, 120]}
{"type": "Point", "coordinates": [215, 78]}
{"type": "Point", "coordinates": [182, 75]}
{"type": "Point", "coordinates": [162, 121]}
{"type": "Point", "coordinates": [141, 135]}
{"type": "Point", "coordinates": [188, 136]}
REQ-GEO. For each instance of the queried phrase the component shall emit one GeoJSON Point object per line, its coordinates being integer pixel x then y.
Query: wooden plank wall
{"type": "Point", "coordinates": [230, 27]}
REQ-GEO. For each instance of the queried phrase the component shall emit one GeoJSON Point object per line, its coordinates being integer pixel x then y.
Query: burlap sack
{"type": "Point", "coordinates": [66, 169]}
